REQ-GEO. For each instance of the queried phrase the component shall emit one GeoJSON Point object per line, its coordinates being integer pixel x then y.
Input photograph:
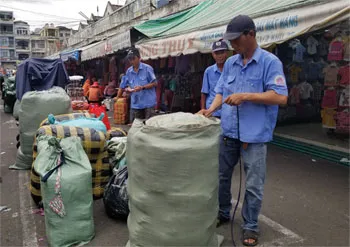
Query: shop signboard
{"type": "Point", "coordinates": [272, 29]}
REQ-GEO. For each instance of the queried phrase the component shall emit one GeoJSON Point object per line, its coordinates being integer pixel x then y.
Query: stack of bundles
{"type": "Point", "coordinates": [75, 88]}
{"type": "Point", "coordinates": [93, 142]}
{"type": "Point", "coordinates": [65, 173]}
{"type": "Point", "coordinates": [35, 106]}
{"type": "Point", "coordinates": [83, 122]}
{"type": "Point", "coordinates": [173, 181]}
{"type": "Point", "coordinates": [9, 92]}
{"type": "Point", "coordinates": [121, 111]}
{"type": "Point", "coordinates": [76, 93]}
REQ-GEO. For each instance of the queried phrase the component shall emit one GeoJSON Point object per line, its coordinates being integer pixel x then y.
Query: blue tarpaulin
{"type": "Point", "coordinates": [74, 54]}
{"type": "Point", "coordinates": [40, 74]}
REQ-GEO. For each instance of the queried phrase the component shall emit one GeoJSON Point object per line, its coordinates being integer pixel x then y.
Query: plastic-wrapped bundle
{"type": "Point", "coordinates": [94, 145]}
{"type": "Point", "coordinates": [173, 181]}
{"type": "Point", "coordinates": [35, 106]}
{"type": "Point", "coordinates": [115, 197]}
{"type": "Point", "coordinates": [93, 142]}
{"type": "Point", "coordinates": [66, 190]}
{"type": "Point", "coordinates": [9, 94]}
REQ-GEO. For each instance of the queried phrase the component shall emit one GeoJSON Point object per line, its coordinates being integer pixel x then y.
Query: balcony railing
{"type": "Point", "coordinates": [36, 49]}
{"type": "Point", "coordinates": [10, 58]}
{"type": "Point", "coordinates": [8, 45]}
{"type": "Point", "coordinates": [23, 48]}
{"type": "Point", "coordinates": [7, 18]}
{"type": "Point", "coordinates": [6, 32]}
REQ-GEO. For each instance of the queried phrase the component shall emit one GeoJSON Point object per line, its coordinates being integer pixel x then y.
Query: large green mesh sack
{"type": "Point", "coordinates": [72, 224]}
{"type": "Point", "coordinates": [173, 181]}
{"type": "Point", "coordinates": [35, 106]}
{"type": "Point", "coordinates": [16, 108]}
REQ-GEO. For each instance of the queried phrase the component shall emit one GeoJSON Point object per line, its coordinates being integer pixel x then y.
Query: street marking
{"type": "Point", "coordinates": [27, 220]}
{"type": "Point", "coordinates": [289, 237]}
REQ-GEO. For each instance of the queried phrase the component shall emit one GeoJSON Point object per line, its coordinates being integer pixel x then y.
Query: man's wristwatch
{"type": "Point", "coordinates": [143, 88]}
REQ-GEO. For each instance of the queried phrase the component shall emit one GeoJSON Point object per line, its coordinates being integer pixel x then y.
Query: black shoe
{"type": "Point", "coordinates": [221, 221]}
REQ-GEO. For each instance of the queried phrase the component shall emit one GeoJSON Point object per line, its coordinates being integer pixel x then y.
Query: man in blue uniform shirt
{"type": "Point", "coordinates": [141, 82]}
{"type": "Point", "coordinates": [212, 75]}
{"type": "Point", "coordinates": [250, 88]}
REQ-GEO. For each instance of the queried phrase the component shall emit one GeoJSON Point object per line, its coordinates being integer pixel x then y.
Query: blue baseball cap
{"type": "Point", "coordinates": [219, 46]}
{"type": "Point", "coordinates": [133, 52]}
{"type": "Point", "coordinates": [237, 26]}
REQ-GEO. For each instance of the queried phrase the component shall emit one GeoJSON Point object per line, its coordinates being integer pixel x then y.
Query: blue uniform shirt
{"type": "Point", "coordinates": [145, 98]}
{"type": "Point", "coordinates": [211, 77]}
{"type": "Point", "coordinates": [262, 73]}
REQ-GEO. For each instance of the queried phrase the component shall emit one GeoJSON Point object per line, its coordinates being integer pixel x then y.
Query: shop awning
{"type": "Point", "coordinates": [276, 21]}
{"type": "Point", "coordinates": [92, 51]}
{"type": "Point", "coordinates": [157, 27]}
{"type": "Point", "coordinates": [118, 42]}
{"type": "Point", "coordinates": [110, 45]}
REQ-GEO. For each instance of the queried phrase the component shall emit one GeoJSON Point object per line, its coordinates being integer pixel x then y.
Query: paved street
{"type": "Point", "coordinates": [306, 203]}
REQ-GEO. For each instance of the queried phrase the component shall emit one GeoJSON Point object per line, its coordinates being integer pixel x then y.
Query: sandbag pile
{"type": "Point", "coordinates": [173, 181]}
{"type": "Point", "coordinates": [35, 107]}
{"type": "Point", "coordinates": [66, 191]}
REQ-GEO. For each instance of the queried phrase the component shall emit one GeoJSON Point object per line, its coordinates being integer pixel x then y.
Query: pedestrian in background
{"type": "Point", "coordinates": [251, 87]}
{"type": "Point", "coordinates": [87, 85]}
{"type": "Point", "coordinates": [94, 94]}
{"type": "Point", "coordinates": [141, 83]}
{"type": "Point", "coordinates": [212, 75]}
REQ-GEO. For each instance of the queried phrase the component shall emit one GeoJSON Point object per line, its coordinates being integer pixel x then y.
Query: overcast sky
{"type": "Point", "coordinates": [59, 12]}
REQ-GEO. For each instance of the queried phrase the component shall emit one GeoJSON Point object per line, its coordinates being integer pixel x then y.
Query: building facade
{"type": "Point", "coordinates": [64, 34]}
{"type": "Point", "coordinates": [7, 40]}
{"type": "Point", "coordinates": [51, 36]}
{"type": "Point", "coordinates": [121, 19]}
{"type": "Point", "coordinates": [38, 46]}
{"type": "Point", "coordinates": [22, 40]}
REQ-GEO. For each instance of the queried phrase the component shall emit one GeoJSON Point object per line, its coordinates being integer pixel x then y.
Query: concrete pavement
{"type": "Point", "coordinates": [306, 203]}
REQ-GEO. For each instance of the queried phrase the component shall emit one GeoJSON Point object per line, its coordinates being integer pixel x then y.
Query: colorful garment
{"type": "Point", "coordinates": [294, 71]}
{"type": "Point", "coordinates": [331, 75]}
{"type": "Point", "coordinates": [312, 44]}
{"type": "Point", "coordinates": [344, 75]}
{"type": "Point", "coordinates": [328, 118]}
{"type": "Point", "coordinates": [330, 99]}
{"type": "Point", "coordinates": [336, 49]}
{"type": "Point", "coordinates": [299, 53]}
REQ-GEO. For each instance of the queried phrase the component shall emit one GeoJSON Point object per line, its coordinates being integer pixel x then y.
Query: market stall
{"type": "Point", "coordinates": [310, 37]}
